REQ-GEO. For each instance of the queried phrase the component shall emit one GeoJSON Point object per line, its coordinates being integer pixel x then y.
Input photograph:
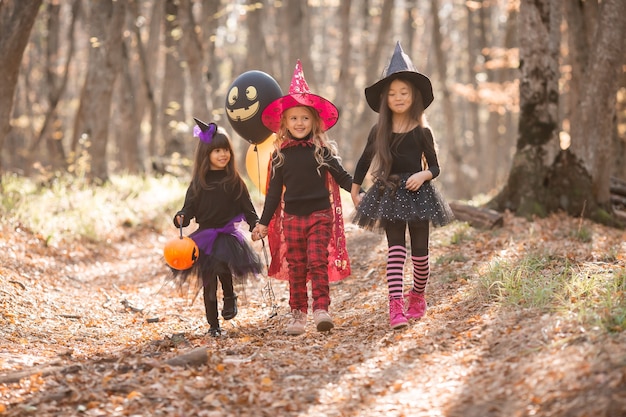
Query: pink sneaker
{"type": "Point", "coordinates": [417, 305]}
{"type": "Point", "coordinates": [397, 319]}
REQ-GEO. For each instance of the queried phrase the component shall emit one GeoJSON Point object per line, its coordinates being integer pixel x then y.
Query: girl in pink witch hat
{"type": "Point", "coordinates": [300, 95]}
{"type": "Point", "coordinates": [302, 216]}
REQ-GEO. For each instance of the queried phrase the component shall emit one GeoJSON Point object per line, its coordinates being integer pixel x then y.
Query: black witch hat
{"type": "Point", "coordinates": [400, 66]}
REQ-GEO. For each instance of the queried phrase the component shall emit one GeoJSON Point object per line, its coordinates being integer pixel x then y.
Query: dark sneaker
{"type": "Point", "coordinates": [230, 307]}
{"type": "Point", "coordinates": [215, 332]}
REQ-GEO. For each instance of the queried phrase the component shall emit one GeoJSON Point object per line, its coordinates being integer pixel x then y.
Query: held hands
{"type": "Point", "coordinates": [356, 194]}
{"type": "Point", "coordinates": [259, 232]}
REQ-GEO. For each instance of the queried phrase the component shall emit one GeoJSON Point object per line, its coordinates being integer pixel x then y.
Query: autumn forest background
{"type": "Point", "coordinates": [527, 299]}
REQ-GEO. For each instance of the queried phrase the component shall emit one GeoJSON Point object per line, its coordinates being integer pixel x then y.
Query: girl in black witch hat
{"type": "Point", "coordinates": [219, 200]}
{"type": "Point", "coordinates": [402, 149]}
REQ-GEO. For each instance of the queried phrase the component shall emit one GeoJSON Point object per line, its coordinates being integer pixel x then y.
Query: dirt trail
{"type": "Point", "coordinates": [80, 324]}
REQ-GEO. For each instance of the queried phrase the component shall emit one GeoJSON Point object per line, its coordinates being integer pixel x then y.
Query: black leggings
{"type": "Point", "coordinates": [418, 231]}
{"type": "Point", "coordinates": [210, 294]}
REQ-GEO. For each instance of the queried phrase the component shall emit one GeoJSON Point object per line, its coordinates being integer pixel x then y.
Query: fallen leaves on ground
{"type": "Point", "coordinates": [97, 330]}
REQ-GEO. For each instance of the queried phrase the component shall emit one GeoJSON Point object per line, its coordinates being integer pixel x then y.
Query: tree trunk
{"type": "Point", "coordinates": [502, 75]}
{"type": "Point", "coordinates": [106, 22]}
{"type": "Point", "coordinates": [16, 21]}
{"type": "Point", "coordinates": [193, 61]}
{"type": "Point", "coordinates": [53, 129]}
{"type": "Point", "coordinates": [299, 32]}
{"type": "Point", "coordinates": [472, 131]}
{"type": "Point", "coordinates": [543, 178]}
{"type": "Point", "coordinates": [454, 164]}
{"type": "Point", "coordinates": [581, 20]}
{"type": "Point", "coordinates": [374, 66]}
{"type": "Point", "coordinates": [592, 124]}
{"type": "Point", "coordinates": [209, 30]}
{"type": "Point", "coordinates": [257, 57]}
{"type": "Point", "coordinates": [148, 55]}
{"type": "Point", "coordinates": [132, 97]}
{"type": "Point", "coordinates": [346, 100]}
{"type": "Point", "coordinates": [173, 94]}
{"type": "Point", "coordinates": [620, 139]}
{"type": "Point", "coordinates": [537, 145]}
{"type": "Point", "coordinates": [137, 90]}
{"type": "Point", "coordinates": [409, 25]}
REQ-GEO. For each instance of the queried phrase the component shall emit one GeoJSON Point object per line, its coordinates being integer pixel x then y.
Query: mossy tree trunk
{"type": "Point", "coordinates": [545, 178]}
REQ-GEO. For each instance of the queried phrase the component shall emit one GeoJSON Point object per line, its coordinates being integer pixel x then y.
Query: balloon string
{"type": "Point", "coordinates": [269, 291]}
{"type": "Point", "coordinates": [258, 168]}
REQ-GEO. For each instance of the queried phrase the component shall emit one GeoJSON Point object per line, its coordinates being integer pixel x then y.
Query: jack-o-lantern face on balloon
{"type": "Point", "coordinates": [247, 97]}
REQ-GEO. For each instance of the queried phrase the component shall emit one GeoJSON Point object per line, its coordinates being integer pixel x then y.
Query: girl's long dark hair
{"type": "Point", "coordinates": [385, 140]}
{"type": "Point", "coordinates": [202, 165]}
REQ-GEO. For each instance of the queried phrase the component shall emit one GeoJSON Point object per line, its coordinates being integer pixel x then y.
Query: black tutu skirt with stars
{"type": "Point", "coordinates": [393, 202]}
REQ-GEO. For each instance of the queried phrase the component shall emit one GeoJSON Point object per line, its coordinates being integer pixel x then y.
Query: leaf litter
{"type": "Point", "coordinates": [97, 330]}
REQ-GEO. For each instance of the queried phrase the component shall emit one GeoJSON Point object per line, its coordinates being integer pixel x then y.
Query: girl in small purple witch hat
{"type": "Point", "coordinates": [219, 200]}
{"type": "Point", "coordinates": [402, 150]}
{"type": "Point", "coordinates": [304, 221]}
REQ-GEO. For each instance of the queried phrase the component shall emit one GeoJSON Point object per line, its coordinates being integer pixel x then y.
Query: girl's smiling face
{"type": "Point", "coordinates": [400, 96]}
{"type": "Point", "coordinates": [299, 121]}
{"type": "Point", "coordinates": [219, 159]}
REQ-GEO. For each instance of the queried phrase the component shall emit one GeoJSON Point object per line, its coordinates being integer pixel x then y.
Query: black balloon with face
{"type": "Point", "coordinates": [247, 97]}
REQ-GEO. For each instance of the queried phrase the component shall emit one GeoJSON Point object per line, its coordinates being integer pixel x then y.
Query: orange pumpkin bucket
{"type": "Point", "coordinates": [181, 253]}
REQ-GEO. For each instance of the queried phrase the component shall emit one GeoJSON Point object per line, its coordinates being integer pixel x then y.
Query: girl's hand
{"type": "Point", "coordinates": [259, 232]}
{"type": "Point", "coordinates": [415, 181]}
{"type": "Point", "coordinates": [179, 219]}
{"type": "Point", "coordinates": [356, 195]}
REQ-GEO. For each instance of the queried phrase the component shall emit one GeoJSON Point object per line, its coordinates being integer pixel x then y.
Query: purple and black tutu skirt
{"type": "Point", "coordinates": [220, 254]}
{"type": "Point", "coordinates": [393, 202]}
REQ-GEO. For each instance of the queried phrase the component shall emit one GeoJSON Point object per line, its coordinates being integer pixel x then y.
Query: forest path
{"type": "Point", "coordinates": [79, 336]}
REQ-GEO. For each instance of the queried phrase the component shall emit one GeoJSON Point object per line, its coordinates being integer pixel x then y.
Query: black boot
{"type": "Point", "coordinates": [230, 307]}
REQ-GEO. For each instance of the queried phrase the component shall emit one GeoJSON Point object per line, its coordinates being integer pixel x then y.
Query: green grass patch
{"type": "Point", "coordinates": [529, 283]}
{"type": "Point", "coordinates": [597, 296]}
{"type": "Point", "coordinates": [593, 293]}
{"type": "Point", "coordinates": [450, 258]}
{"type": "Point", "coordinates": [65, 208]}
{"type": "Point", "coordinates": [583, 234]}
{"type": "Point", "coordinates": [462, 233]}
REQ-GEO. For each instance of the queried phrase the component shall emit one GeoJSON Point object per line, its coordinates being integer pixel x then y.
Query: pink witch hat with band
{"type": "Point", "coordinates": [299, 95]}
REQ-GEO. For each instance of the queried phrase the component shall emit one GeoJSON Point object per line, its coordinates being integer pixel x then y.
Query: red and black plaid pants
{"type": "Point", "coordinates": [307, 239]}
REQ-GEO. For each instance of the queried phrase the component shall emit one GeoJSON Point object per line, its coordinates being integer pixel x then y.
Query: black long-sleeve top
{"type": "Point", "coordinates": [407, 156]}
{"type": "Point", "coordinates": [215, 207]}
{"type": "Point", "coordinates": [305, 190]}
